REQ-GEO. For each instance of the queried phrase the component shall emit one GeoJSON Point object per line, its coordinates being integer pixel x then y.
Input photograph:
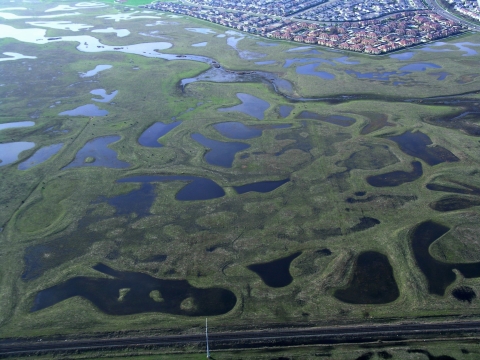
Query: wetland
{"type": "Point", "coordinates": [147, 185]}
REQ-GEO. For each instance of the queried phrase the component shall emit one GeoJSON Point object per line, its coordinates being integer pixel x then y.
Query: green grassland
{"type": "Point", "coordinates": [46, 205]}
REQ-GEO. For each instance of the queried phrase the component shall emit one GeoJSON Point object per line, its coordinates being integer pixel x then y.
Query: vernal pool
{"type": "Point", "coordinates": [95, 71]}
{"type": "Point", "coordinates": [40, 156]}
{"type": "Point", "coordinates": [16, 56]}
{"type": "Point", "coordinates": [251, 105]}
{"type": "Point", "coordinates": [103, 93]}
{"type": "Point", "coordinates": [9, 152]}
{"type": "Point", "coordinates": [18, 124]}
{"type": "Point", "coordinates": [85, 110]}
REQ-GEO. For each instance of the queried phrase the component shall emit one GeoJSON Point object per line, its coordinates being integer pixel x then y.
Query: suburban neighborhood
{"type": "Point", "coordinates": [391, 30]}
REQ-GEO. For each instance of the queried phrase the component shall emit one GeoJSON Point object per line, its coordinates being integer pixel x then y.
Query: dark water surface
{"type": "Point", "coordinates": [251, 105]}
{"type": "Point", "coordinates": [396, 178]}
{"type": "Point", "coordinates": [239, 131]}
{"type": "Point", "coordinates": [40, 156]}
{"type": "Point", "coordinates": [261, 186]}
{"type": "Point", "coordinates": [86, 110]}
{"type": "Point", "coordinates": [372, 282]}
{"type": "Point", "coordinates": [96, 153]}
{"type": "Point", "coordinates": [145, 294]}
{"type": "Point", "coordinates": [275, 273]}
{"type": "Point", "coordinates": [197, 188]}
{"type": "Point", "coordinates": [285, 110]}
{"type": "Point", "coordinates": [417, 144]}
{"type": "Point", "coordinates": [221, 153]}
{"type": "Point", "coordinates": [332, 119]}
{"type": "Point", "coordinates": [439, 274]}
{"type": "Point", "coordinates": [464, 293]}
{"type": "Point", "coordinates": [150, 136]}
{"type": "Point", "coordinates": [452, 203]}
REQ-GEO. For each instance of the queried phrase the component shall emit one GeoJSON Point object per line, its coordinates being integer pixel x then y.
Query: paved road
{"type": "Point", "coordinates": [438, 8]}
{"type": "Point", "coordinates": [255, 339]}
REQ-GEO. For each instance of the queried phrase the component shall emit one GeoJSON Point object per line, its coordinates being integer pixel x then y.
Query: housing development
{"type": "Point", "coordinates": [363, 26]}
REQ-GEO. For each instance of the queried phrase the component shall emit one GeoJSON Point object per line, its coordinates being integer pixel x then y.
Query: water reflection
{"type": "Point", "coordinates": [40, 156]}
{"type": "Point", "coordinates": [221, 153]}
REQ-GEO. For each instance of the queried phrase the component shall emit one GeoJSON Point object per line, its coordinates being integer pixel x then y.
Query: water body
{"type": "Point", "coordinates": [285, 110]}
{"type": "Point", "coordinates": [17, 124]}
{"type": "Point", "coordinates": [201, 44]}
{"type": "Point", "coordinates": [119, 32]}
{"type": "Point", "coordinates": [261, 186]}
{"type": "Point", "coordinates": [372, 281]}
{"type": "Point", "coordinates": [275, 273]}
{"type": "Point", "coordinates": [86, 110]}
{"type": "Point", "coordinates": [103, 93]}
{"type": "Point", "coordinates": [10, 152]}
{"type": "Point", "coordinates": [461, 46]}
{"type": "Point", "coordinates": [201, 30]}
{"type": "Point", "coordinates": [15, 56]}
{"type": "Point", "coordinates": [96, 153]}
{"type": "Point", "coordinates": [95, 71]}
{"type": "Point", "coordinates": [250, 105]}
{"type": "Point", "coordinates": [136, 201]}
{"type": "Point", "coordinates": [268, 62]}
{"type": "Point", "coordinates": [237, 130]}
{"type": "Point", "coordinates": [309, 69]}
{"type": "Point", "coordinates": [396, 178]}
{"type": "Point", "coordinates": [419, 67]}
{"type": "Point", "coordinates": [197, 188]}
{"type": "Point", "coordinates": [339, 120]}
{"type": "Point", "coordinates": [60, 25]}
{"type": "Point", "coordinates": [221, 153]}
{"type": "Point", "coordinates": [317, 61]}
{"type": "Point", "coordinates": [441, 75]}
{"type": "Point", "coordinates": [40, 156]}
{"type": "Point", "coordinates": [344, 60]}
{"type": "Point", "coordinates": [453, 203]}
{"type": "Point", "coordinates": [464, 293]}
{"type": "Point", "coordinates": [150, 136]}
{"type": "Point", "coordinates": [417, 144]}
{"type": "Point", "coordinates": [377, 76]}
{"type": "Point", "coordinates": [265, 44]}
{"type": "Point", "coordinates": [299, 49]}
{"type": "Point", "coordinates": [134, 292]}
{"type": "Point", "coordinates": [403, 56]}
{"type": "Point", "coordinates": [439, 274]}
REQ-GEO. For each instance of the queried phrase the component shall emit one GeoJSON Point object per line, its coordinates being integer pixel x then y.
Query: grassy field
{"type": "Point", "coordinates": [57, 223]}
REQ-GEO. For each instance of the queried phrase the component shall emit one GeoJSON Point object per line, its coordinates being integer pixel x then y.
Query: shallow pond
{"type": "Point", "coordinates": [396, 178]}
{"type": "Point", "coordinates": [265, 44]}
{"type": "Point", "coordinates": [268, 62]}
{"type": "Point", "coordinates": [18, 124]}
{"type": "Point", "coordinates": [419, 67]}
{"type": "Point", "coordinates": [332, 119]}
{"type": "Point", "coordinates": [15, 56]}
{"type": "Point", "coordinates": [316, 61]}
{"type": "Point", "coordinates": [237, 130]}
{"type": "Point", "coordinates": [103, 93]}
{"type": "Point", "coordinates": [60, 25]}
{"type": "Point", "coordinates": [40, 156]}
{"type": "Point", "coordinates": [344, 60]}
{"type": "Point", "coordinates": [453, 203]}
{"type": "Point", "coordinates": [378, 76]}
{"type": "Point", "coordinates": [372, 281]}
{"type": "Point", "coordinates": [197, 188]}
{"type": "Point", "coordinates": [221, 153]}
{"type": "Point", "coordinates": [310, 69]}
{"type": "Point", "coordinates": [417, 144]}
{"type": "Point", "coordinates": [261, 186]}
{"type": "Point", "coordinates": [250, 105]}
{"type": "Point", "coordinates": [137, 201]}
{"type": "Point", "coordinates": [9, 152]}
{"type": "Point", "coordinates": [464, 293]}
{"type": "Point", "coordinates": [201, 30]}
{"type": "Point", "coordinates": [201, 44]}
{"type": "Point", "coordinates": [439, 274]}
{"type": "Point", "coordinates": [285, 110]}
{"type": "Point", "coordinates": [95, 71]}
{"type": "Point", "coordinates": [85, 110]}
{"type": "Point", "coordinates": [150, 136]}
{"type": "Point", "coordinates": [275, 273]}
{"type": "Point", "coordinates": [125, 293]}
{"type": "Point", "coordinates": [403, 56]}
{"type": "Point", "coordinates": [96, 153]}
{"type": "Point", "coordinates": [119, 32]}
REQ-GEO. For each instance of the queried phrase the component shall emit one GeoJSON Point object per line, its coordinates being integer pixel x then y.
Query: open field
{"type": "Point", "coordinates": [57, 223]}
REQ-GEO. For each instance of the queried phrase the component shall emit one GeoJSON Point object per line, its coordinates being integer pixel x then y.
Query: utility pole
{"type": "Point", "coordinates": [206, 336]}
